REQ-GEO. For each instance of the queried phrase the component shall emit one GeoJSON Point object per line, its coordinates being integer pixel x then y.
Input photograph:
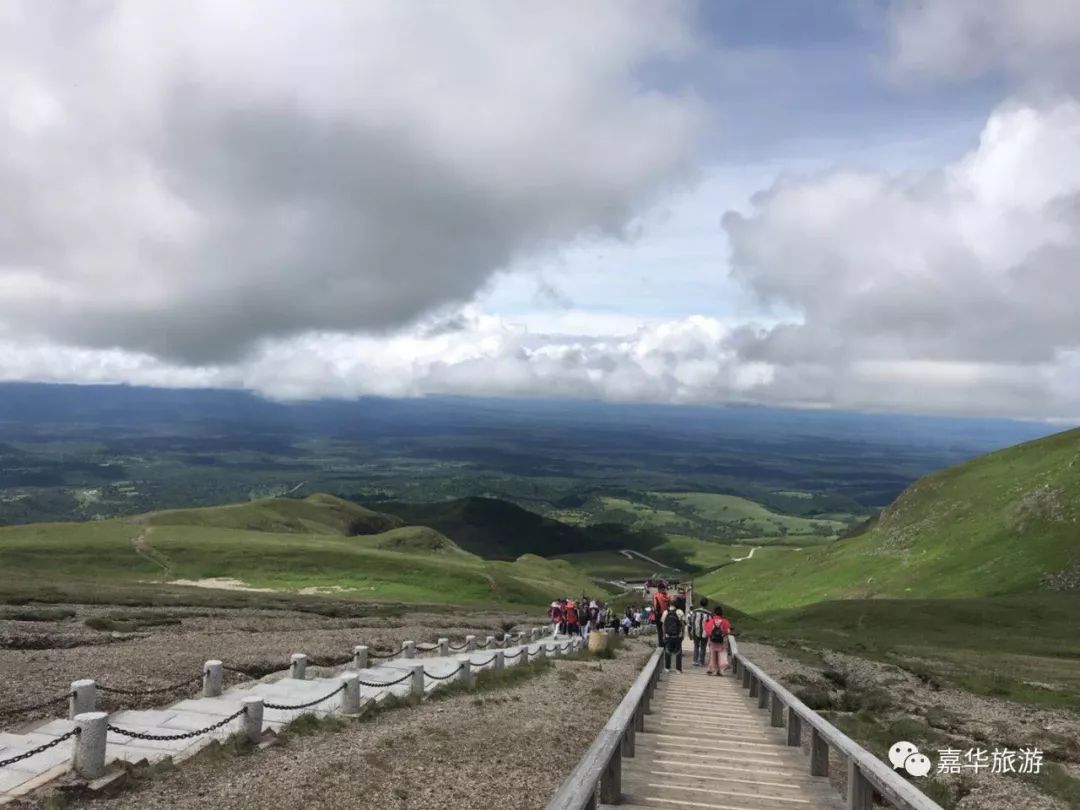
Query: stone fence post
{"type": "Point", "coordinates": [444, 647]}
{"type": "Point", "coordinates": [360, 657]}
{"type": "Point", "coordinates": [212, 679]}
{"type": "Point", "coordinates": [470, 643]}
{"type": "Point", "coordinates": [90, 744]}
{"type": "Point", "coordinates": [417, 685]}
{"type": "Point", "coordinates": [408, 649]}
{"type": "Point", "coordinates": [350, 698]}
{"type": "Point", "coordinates": [253, 718]}
{"type": "Point", "coordinates": [298, 666]}
{"type": "Point", "coordinates": [466, 676]}
{"type": "Point", "coordinates": [83, 697]}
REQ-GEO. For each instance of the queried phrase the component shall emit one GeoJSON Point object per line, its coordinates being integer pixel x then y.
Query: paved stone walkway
{"type": "Point", "coordinates": [196, 713]}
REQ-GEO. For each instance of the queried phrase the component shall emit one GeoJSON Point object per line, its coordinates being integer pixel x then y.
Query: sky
{"type": "Point", "coordinates": [857, 204]}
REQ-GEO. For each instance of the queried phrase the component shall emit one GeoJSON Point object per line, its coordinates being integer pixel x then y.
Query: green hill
{"type": "Point", "coordinates": [1007, 522]}
{"type": "Point", "coordinates": [500, 530]}
{"type": "Point", "coordinates": [302, 547]}
{"type": "Point", "coordinates": [316, 514]}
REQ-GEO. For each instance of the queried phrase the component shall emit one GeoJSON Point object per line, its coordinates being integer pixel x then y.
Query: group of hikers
{"type": "Point", "coordinates": [707, 627]}
{"type": "Point", "coordinates": [576, 618]}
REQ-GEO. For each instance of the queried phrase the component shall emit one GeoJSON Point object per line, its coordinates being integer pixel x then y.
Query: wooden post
{"type": "Point", "coordinates": [777, 717]}
{"type": "Point", "coordinates": [763, 697]}
{"type": "Point", "coordinates": [755, 686]}
{"type": "Point", "coordinates": [860, 794]}
{"type": "Point", "coordinates": [794, 727]}
{"type": "Point", "coordinates": [611, 781]}
{"type": "Point", "coordinates": [629, 740]}
{"type": "Point", "coordinates": [747, 678]}
{"type": "Point", "coordinates": [819, 754]}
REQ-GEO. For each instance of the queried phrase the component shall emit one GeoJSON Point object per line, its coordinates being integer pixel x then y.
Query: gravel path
{"type": "Point", "coordinates": [506, 748]}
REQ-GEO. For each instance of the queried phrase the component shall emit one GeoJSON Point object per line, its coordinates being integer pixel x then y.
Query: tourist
{"type": "Point", "coordinates": [717, 629]}
{"type": "Point", "coordinates": [696, 627]}
{"type": "Point", "coordinates": [673, 622]}
{"type": "Point", "coordinates": [660, 606]}
{"type": "Point", "coordinates": [556, 614]}
{"type": "Point", "coordinates": [680, 600]}
{"type": "Point", "coordinates": [572, 626]}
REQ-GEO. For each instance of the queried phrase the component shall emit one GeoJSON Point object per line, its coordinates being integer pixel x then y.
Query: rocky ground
{"type": "Point", "coordinates": [509, 748]}
{"type": "Point", "coordinates": [871, 700]}
{"type": "Point", "coordinates": [158, 647]}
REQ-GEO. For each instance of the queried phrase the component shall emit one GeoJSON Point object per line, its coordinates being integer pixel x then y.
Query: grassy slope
{"type": "Point", "coordinates": [316, 514]}
{"type": "Point", "coordinates": [410, 563]}
{"type": "Point", "coordinates": [995, 525]}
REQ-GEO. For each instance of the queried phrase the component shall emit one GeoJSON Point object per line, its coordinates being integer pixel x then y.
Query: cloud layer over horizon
{"type": "Point", "coordinates": [318, 202]}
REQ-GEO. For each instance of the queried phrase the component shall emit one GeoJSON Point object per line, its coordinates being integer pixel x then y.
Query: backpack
{"type": "Point", "coordinates": [672, 625]}
{"type": "Point", "coordinates": [698, 623]}
{"type": "Point", "coordinates": [716, 634]}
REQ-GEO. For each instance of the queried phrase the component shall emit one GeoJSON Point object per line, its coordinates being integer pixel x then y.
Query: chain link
{"type": "Point", "coordinates": [187, 735]}
{"type": "Point", "coordinates": [444, 677]}
{"type": "Point", "coordinates": [27, 754]}
{"type": "Point", "coordinates": [512, 656]}
{"type": "Point", "coordinates": [484, 663]}
{"type": "Point", "coordinates": [30, 707]}
{"type": "Point", "coordinates": [304, 705]}
{"type": "Point", "coordinates": [456, 648]}
{"type": "Point", "coordinates": [384, 655]}
{"type": "Point", "coordinates": [427, 647]}
{"type": "Point", "coordinates": [375, 684]}
{"type": "Point", "coordinates": [162, 690]}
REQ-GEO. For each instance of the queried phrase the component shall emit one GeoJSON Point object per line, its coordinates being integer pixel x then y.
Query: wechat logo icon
{"type": "Point", "coordinates": [906, 756]}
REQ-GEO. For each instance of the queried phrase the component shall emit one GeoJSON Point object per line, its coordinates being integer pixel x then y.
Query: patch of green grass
{"type": "Point", "coordinates": [48, 614]}
{"type": "Point", "coordinates": [1021, 648]}
{"type": "Point", "coordinates": [1055, 781]}
{"type": "Point", "coordinates": [307, 724]}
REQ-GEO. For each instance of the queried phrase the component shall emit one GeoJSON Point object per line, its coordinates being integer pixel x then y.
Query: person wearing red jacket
{"type": "Point", "coordinates": [717, 629]}
{"type": "Point", "coordinates": [660, 602]}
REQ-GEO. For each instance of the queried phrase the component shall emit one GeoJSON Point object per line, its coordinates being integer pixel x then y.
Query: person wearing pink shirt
{"type": "Point", "coordinates": [717, 629]}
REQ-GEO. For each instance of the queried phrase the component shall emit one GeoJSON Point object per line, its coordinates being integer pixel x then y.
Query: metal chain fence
{"type": "Point", "coordinates": [27, 754]}
{"type": "Point", "coordinates": [376, 684]}
{"type": "Point", "coordinates": [30, 707]}
{"type": "Point", "coordinates": [308, 705]}
{"type": "Point", "coordinates": [187, 735]}
{"type": "Point", "coordinates": [444, 677]}
{"type": "Point", "coordinates": [162, 690]}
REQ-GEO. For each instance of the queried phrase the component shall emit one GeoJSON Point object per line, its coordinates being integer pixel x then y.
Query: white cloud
{"type": "Point", "coordinates": [955, 40]}
{"type": "Point", "coordinates": [957, 286]}
{"type": "Point", "coordinates": [183, 180]}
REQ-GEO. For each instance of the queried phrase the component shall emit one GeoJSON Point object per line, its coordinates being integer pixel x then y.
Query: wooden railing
{"type": "Point", "coordinates": [865, 772]}
{"type": "Point", "coordinates": [600, 770]}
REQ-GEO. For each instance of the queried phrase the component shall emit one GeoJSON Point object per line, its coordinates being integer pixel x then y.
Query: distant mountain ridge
{"type": "Point", "coordinates": [500, 530]}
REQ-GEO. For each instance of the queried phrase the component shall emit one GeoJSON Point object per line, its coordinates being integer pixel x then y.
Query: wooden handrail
{"type": "Point", "coordinates": [600, 769]}
{"type": "Point", "coordinates": [866, 772]}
